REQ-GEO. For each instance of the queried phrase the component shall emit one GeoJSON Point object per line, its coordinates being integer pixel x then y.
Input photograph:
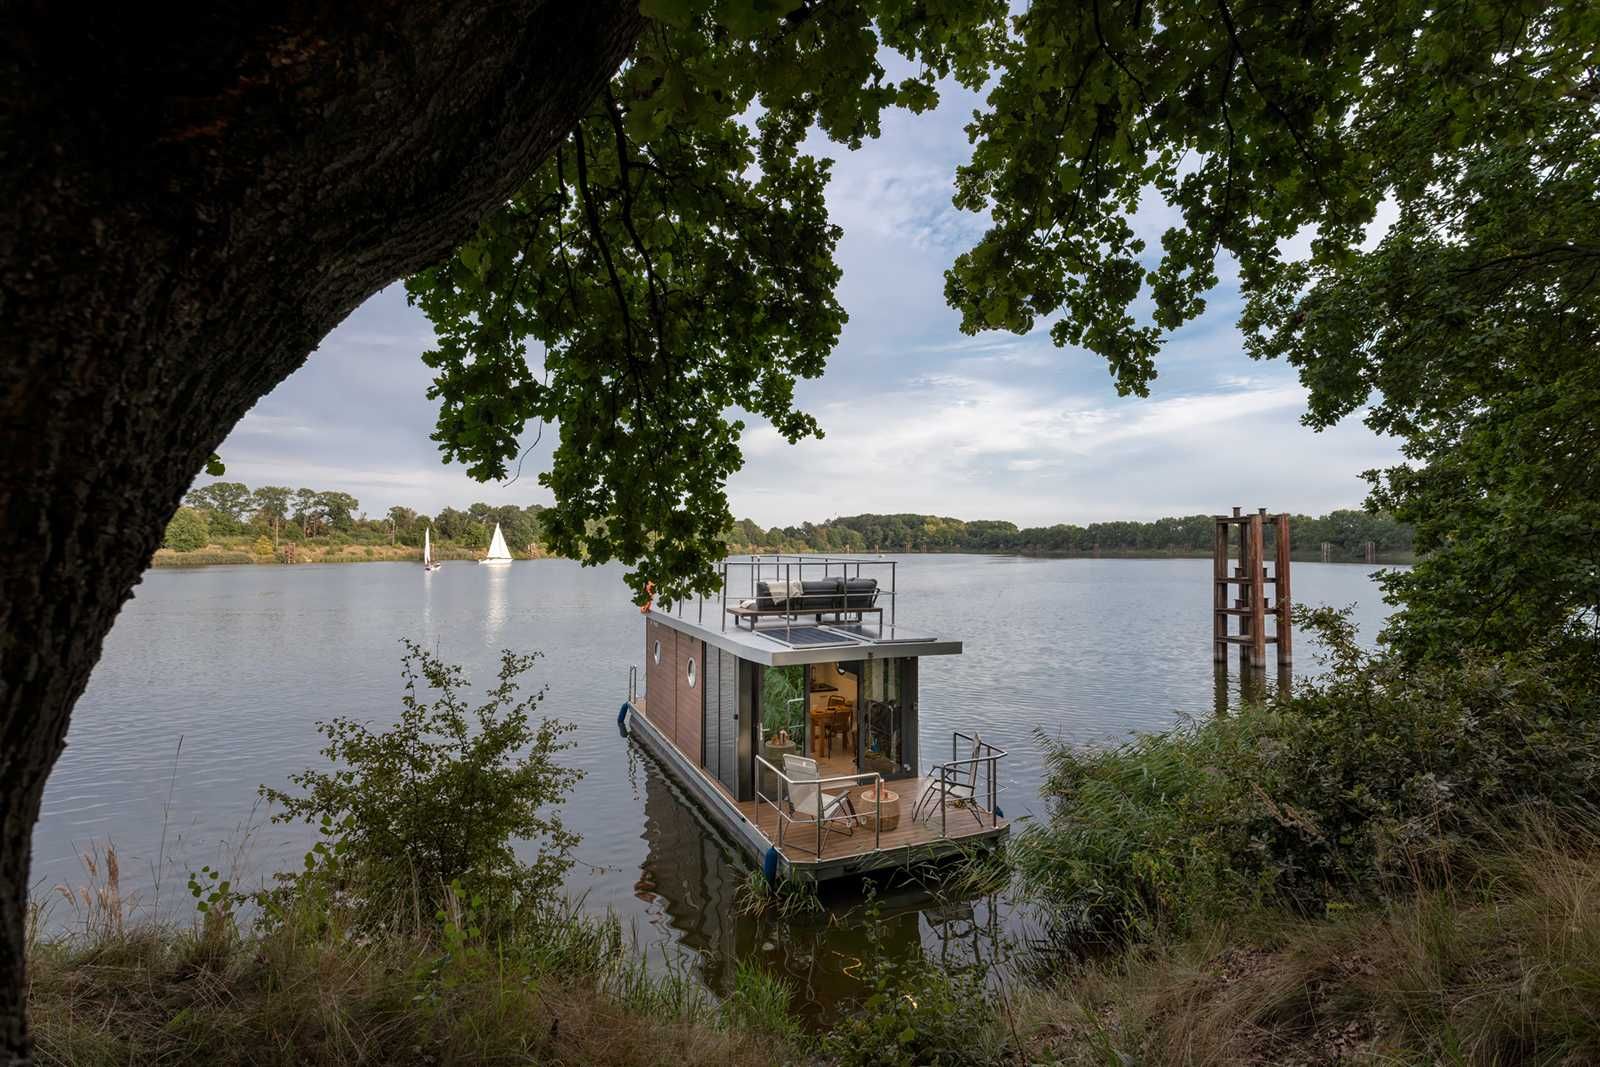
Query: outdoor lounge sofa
{"type": "Point", "coordinates": [819, 597]}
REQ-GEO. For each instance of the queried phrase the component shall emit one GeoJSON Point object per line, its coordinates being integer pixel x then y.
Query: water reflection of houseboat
{"type": "Point", "coordinates": [790, 716]}
{"type": "Point", "coordinates": [692, 874]}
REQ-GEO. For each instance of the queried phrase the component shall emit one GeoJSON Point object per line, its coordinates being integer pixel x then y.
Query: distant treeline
{"type": "Point", "coordinates": [1345, 531]}
{"type": "Point", "coordinates": [231, 510]}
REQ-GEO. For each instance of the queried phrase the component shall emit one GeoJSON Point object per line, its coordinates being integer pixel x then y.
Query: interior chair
{"type": "Point", "coordinates": [839, 722]}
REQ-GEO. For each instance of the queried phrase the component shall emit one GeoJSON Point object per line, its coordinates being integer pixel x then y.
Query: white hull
{"type": "Point", "coordinates": [494, 562]}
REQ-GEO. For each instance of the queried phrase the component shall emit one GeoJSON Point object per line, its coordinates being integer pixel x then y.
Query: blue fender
{"type": "Point", "coordinates": [622, 720]}
{"type": "Point", "coordinates": [998, 813]}
{"type": "Point", "coordinates": [769, 865]}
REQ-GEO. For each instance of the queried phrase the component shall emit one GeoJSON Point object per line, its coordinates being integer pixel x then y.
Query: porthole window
{"type": "Point", "coordinates": [656, 653]}
{"type": "Point", "coordinates": [691, 674]}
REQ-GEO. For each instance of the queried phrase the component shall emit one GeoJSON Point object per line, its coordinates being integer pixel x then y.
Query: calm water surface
{"type": "Point", "coordinates": [239, 663]}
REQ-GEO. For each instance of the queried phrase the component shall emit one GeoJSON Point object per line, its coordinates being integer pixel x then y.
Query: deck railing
{"type": "Point", "coordinates": [958, 780]}
{"type": "Point", "coordinates": [785, 783]}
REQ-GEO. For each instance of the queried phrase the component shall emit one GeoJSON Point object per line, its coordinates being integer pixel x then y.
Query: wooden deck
{"type": "Point", "coordinates": [800, 835]}
{"type": "Point", "coordinates": [756, 822]}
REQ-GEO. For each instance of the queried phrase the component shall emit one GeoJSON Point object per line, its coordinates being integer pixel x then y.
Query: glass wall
{"type": "Point", "coordinates": [782, 719]}
{"type": "Point", "coordinates": [887, 744]}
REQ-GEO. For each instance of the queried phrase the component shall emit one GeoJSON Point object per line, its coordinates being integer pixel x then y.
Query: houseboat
{"type": "Point", "coordinates": [787, 707]}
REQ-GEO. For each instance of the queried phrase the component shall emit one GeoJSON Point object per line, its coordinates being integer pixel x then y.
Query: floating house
{"type": "Point", "coordinates": [787, 706]}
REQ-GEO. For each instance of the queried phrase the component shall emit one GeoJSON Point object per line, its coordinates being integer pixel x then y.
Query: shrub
{"type": "Point", "coordinates": [188, 531]}
{"type": "Point", "coordinates": [263, 546]}
{"type": "Point", "coordinates": [431, 808]}
{"type": "Point", "coordinates": [1315, 799]}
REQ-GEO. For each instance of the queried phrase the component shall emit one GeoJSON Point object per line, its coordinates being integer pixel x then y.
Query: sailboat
{"type": "Point", "coordinates": [499, 554]}
{"type": "Point", "coordinates": [428, 563]}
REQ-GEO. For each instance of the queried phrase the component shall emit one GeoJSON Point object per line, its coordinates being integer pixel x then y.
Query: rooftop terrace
{"type": "Point", "coordinates": [782, 610]}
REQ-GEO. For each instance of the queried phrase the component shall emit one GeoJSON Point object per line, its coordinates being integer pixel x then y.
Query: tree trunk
{"type": "Point", "coordinates": [191, 203]}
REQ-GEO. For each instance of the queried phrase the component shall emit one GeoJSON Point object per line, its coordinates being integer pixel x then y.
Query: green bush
{"type": "Point", "coordinates": [188, 531]}
{"type": "Point", "coordinates": [262, 546]}
{"type": "Point", "coordinates": [1316, 799]}
{"type": "Point", "coordinates": [434, 807]}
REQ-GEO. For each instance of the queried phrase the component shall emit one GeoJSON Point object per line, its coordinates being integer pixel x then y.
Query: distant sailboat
{"type": "Point", "coordinates": [499, 554]}
{"type": "Point", "coordinates": [428, 563]}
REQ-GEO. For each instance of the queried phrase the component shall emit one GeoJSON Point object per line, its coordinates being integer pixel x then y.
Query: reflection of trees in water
{"type": "Point", "coordinates": [696, 875]}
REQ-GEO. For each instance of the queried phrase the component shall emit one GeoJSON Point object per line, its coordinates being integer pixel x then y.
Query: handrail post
{"type": "Point", "coordinates": [820, 795]}
{"type": "Point", "coordinates": [944, 792]}
{"type": "Point", "coordinates": [877, 829]}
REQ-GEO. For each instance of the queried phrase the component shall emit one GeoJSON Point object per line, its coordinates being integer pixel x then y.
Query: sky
{"type": "Point", "coordinates": [917, 416]}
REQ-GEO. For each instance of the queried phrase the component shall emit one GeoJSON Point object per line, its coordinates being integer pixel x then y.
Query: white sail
{"type": "Point", "coordinates": [427, 549]}
{"type": "Point", "coordinates": [498, 552]}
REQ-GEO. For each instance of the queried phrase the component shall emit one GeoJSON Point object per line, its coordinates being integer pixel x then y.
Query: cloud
{"type": "Point", "coordinates": [981, 448]}
{"type": "Point", "coordinates": [919, 417]}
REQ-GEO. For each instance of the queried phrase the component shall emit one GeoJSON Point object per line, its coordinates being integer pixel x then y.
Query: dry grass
{"type": "Point", "coordinates": [118, 988]}
{"type": "Point", "coordinates": [1501, 967]}
{"type": "Point", "coordinates": [154, 995]}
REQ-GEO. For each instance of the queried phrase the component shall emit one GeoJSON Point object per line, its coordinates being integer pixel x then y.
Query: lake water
{"type": "Point", "coordinates": [239, 663]}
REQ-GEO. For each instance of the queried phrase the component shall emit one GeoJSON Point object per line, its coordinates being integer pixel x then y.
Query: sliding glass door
{"type": "Point", "coordinates": [888, 717]}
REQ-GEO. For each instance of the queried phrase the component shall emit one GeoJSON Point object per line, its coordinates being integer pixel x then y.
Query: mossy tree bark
{"type": "Point", "coordinates": [193, 199]}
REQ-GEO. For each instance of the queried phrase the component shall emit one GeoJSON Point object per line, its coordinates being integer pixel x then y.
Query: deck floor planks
{"type": "Point", "coordinates": [836, 845]}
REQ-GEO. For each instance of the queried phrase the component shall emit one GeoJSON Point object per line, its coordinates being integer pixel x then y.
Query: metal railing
{"type": "Point", "coordinates": [871, 778]}
{"type": "Point", "coordinates": [958, 780]}
{"type": "Point", "coordinates": [795, 569]}
{"type": "Point", "coordinates": [633, 684]}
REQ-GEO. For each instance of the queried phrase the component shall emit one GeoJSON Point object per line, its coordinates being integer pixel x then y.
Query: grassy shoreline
{"type": "Point", "coordinates": [1495, 966]}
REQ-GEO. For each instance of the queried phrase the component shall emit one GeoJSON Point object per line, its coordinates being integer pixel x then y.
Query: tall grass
{"type": "Point", "coordinates": [313, 988]}
{"type": "Point", "coordinates": [1498, 964]}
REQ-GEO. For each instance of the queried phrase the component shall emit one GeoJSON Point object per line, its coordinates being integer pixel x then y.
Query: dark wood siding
{"type": "Point", "coordinates": [686, 730]}
{"type": "Point", "coordinates": [660, 678]}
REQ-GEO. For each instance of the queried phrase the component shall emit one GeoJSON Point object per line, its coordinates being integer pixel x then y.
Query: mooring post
{"type": "Point", "coordinates": [1258, 591]}
{"type": "Point", "coordinates": [1241, 601]}
{"type": "Point", "coordinates": [1283, 601]}
{"type": "Point", "coordinates": [1219, 595]}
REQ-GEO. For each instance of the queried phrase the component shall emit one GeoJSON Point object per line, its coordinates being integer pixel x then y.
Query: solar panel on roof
{"type": "Point", "coordinates": [885, 635]}
{"type": "Point", "coordinates": [805, 636]}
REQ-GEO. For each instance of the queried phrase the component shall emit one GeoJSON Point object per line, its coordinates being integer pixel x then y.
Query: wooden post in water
{"type": "Point", "coordinates": [1282, 602]}
{"type": "Point", "coordinates": [1251, 606]}
{"type": "Point", "coordinates": [1258, 591]}
{"type": "Point", "coordinates": [1219, 597]}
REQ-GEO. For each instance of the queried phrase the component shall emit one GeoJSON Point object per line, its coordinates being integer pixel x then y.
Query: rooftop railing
{"type": "Point", "coordinates": [741, 579]}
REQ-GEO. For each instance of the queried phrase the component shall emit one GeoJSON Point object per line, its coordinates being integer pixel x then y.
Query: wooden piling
{"type": "Point", "coordinates": [1251, 604]}
{"type": "Point", "coordinates": [1283, 603]}
{"type": "Point", "coordinates": [1219, 596]}
{"type": "Point", "coordinates": [1258, 591]}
